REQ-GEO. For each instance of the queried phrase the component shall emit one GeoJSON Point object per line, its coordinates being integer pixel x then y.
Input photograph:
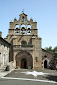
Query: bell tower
{"type": "Point", "coordinates": [23, 26]}
{"type": "Point", "coordinates": [23, 35]}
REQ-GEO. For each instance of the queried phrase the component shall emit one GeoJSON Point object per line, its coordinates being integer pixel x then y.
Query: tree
{"type": "Point", "coordinates": [55, 49]}
{"type": "Point", "coordinates": [49, 49]}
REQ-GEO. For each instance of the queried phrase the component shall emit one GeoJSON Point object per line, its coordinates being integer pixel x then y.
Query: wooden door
{"type": "Point", "coordinates": [23, 63]}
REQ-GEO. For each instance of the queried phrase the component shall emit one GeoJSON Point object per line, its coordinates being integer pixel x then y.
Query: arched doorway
{"type": "Point", "coordinates": [24, 60]}
{"type": "Point", "coordinates": [45, 64]}
{"type": "Point", "coordinates": [24, 63]}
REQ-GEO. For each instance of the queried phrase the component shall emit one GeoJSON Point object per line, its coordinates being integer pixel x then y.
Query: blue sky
{"type": "Point", "coordinates": [43, 11]}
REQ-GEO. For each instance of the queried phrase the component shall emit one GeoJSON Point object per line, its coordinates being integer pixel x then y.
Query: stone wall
{"type": "Point", "coordinates": [48, 56]}
{"type": "Point", "coordinates": [4, 53]}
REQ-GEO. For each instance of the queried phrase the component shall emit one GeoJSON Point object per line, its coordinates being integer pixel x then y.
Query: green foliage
{"type": "Point", "coordinates": [54, 50]}
{"type": "Point", "coordinates": [49, 49]}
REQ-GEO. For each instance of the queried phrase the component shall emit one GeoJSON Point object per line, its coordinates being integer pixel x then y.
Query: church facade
{"type": "Point", "coordinates": [26, 51]}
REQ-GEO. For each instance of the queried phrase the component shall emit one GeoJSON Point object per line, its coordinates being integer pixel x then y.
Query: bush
{"type": "Point", "coordinates": [52, 66]}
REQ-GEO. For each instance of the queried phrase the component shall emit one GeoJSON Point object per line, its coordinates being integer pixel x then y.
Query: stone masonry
{"type": "Point", "coordinates": [26, 51]}
{"type": "Point", "coordinates": [4, 52]}
{"type": "Point", "coordinates": [23, 35]}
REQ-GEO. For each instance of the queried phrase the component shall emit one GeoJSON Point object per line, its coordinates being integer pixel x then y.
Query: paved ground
{"type": "Point", "coordinates": [21, 82]}
{"type": "Point", "coordinates": [16, 77]}
{"type": "Point", "coordinates": [3, 73]}
{"type": "Point", "coordinates": [52, 76]}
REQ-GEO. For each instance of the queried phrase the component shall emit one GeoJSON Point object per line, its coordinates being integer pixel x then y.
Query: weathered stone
{"type": "Point", "coordinates": [25, 48]}
{"type": "Point", "coordinates": [4, 53]}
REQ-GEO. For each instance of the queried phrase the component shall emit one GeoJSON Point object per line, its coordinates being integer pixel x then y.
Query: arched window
{"type": "Point", "coordinates": [23, 43]}
{"type": "Point", "coordinates": [45, 56]}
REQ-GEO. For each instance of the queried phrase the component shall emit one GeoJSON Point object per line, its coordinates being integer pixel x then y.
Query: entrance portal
{"type": "Point", "coordinates": [23, 63]}
{"type": "Point", "coordinates": [45, 64]}
{"type": "Point", "coordinates": [24, 60]}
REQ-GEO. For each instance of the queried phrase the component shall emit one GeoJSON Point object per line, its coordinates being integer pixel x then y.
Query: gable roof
{"type": "Point", "coordinates": [4, 41]}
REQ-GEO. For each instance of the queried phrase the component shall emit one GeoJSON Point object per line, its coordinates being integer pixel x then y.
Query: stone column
{"type": "Point", "coordinates": [26, 29]}
{"type": "Point", "coordinates": [20, 29]}
{"type": "Point", "coordinates": [33, 59]}
{"type": "Point", "coordinates": [14, 60]}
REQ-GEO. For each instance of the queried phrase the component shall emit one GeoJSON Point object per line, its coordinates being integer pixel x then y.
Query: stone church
{"type": "Point", "coordinates": [26, 50]}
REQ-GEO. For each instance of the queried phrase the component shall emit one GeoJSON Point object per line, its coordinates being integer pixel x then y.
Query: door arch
{"type": "Point", "coordinates": [24, 63]}
{"type": "Point", "coordinates": [45, 64]}
{"type": "Point", "coordinates": [24, 60]}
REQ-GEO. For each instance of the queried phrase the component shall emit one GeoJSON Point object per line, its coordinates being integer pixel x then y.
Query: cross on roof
{"type": "Point", "coordinates": [23, 11]}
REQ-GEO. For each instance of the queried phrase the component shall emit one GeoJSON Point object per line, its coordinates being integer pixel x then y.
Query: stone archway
{"type": "Point", "coordinates": [24, 60]}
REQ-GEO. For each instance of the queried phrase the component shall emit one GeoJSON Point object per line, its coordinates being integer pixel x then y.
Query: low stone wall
{"type": "Point", "coordinates": [11, 66]}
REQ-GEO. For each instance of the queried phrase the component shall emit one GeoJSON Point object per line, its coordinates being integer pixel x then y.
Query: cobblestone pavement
{"type": "Point", "coordinates": [52, 76]}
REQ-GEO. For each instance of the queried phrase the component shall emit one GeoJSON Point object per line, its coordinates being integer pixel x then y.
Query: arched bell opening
{"type": "Point", "coordinates": [23, 29]}
{"type": "Point", "coordinates": [17, 29]}
{"type": "Point", "coordinates": [29, 29]}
